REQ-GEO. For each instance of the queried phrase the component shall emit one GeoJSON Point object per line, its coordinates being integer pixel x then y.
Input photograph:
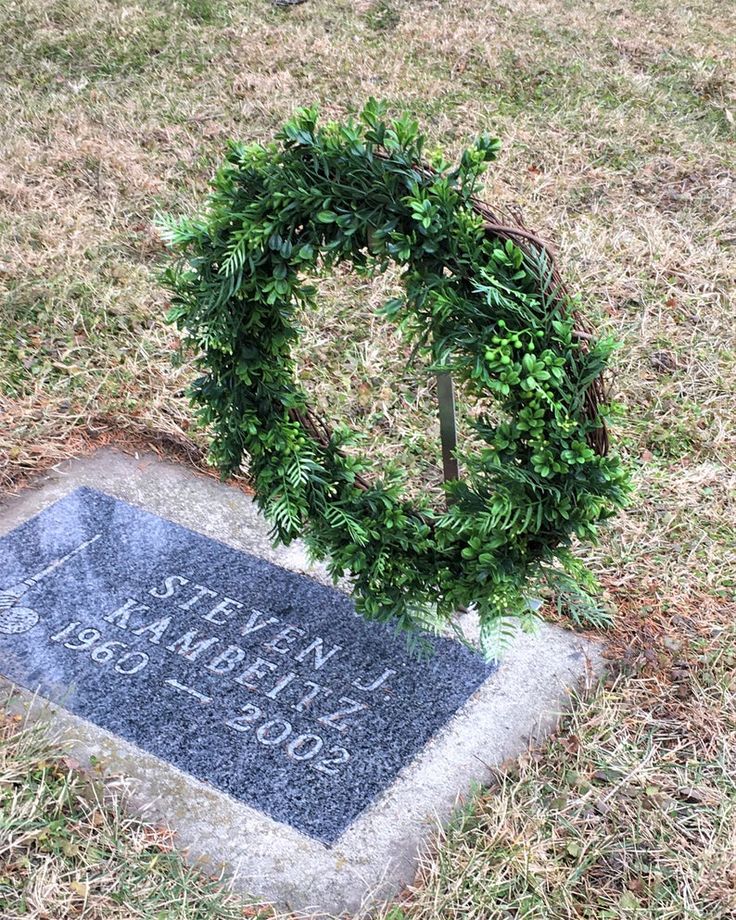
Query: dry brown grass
{"type": "Point", "coordinates": [618, 125]}
{"type": "Point", "coordinates": [630, 811]}
{"type": "Point", "coordinates": [69, 850]}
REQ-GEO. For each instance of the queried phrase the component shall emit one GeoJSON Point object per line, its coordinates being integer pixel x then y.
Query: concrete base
{"type": "Point", "coordinates": [377, 854]}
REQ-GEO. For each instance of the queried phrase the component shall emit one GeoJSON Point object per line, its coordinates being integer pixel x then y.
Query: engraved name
{"type": "Point", "coordinates": [279, 664]}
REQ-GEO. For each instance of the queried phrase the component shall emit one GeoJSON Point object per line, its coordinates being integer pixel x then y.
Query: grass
{"type": "Point", "coordinates": [67, 848]}
{"type": "Point", "coordinates": [629, 812]}
{"type": "Point", "coordinates": [618, 127]}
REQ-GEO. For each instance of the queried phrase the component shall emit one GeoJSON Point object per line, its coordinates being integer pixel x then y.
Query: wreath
{"type": "Point", "coordinates": [482, 300]}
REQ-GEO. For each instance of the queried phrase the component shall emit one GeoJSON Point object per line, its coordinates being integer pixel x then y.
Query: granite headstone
{"type": "Point", "coordinates": [261, 682]}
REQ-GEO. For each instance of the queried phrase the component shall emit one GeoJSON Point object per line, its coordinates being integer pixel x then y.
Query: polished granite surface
{"type": "Point", "coordinates": [256, 680]}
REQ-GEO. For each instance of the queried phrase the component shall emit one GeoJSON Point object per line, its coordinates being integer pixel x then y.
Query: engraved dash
{"type": "Point", "coordinates": [189, 690]}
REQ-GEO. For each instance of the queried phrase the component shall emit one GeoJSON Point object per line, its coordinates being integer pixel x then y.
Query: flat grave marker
{"type": "Point", "coordinates": [264, 683]}
{"type": "Point", "coordinates": [145, 613]}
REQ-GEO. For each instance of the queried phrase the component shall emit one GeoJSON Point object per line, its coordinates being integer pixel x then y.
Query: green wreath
{"type": "Point", "coordinates": [482, 300]}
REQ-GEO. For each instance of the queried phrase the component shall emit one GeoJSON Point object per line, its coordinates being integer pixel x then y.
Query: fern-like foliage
{"type": "Point", "coordinates": [473, 304]}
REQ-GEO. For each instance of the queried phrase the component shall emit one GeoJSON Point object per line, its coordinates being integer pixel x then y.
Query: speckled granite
{"type": "Point", "coordinates": [261, 682]}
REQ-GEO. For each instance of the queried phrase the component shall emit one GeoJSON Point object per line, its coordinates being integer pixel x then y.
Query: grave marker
{"type": "Point", "coordinates": [259, 681]}
{"type": "Point", "coordinates": [281, 736]}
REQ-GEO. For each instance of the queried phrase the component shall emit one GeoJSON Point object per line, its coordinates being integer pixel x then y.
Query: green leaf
{"type": "Point", "coordinates": [628, 901]}
{"type": "Point", "coordinates": [493, 314]}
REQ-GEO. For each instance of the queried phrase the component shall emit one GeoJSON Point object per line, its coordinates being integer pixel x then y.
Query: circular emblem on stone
{"type": "Point", "coordinates": [16, 620]}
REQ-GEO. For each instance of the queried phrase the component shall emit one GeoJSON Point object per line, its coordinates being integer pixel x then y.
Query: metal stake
{"type": "Point", "coordinates": [448, 426]}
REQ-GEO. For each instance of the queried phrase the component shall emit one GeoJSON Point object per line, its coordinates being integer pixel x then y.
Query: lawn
{"type": "Point", "coordinates": [618, 125]}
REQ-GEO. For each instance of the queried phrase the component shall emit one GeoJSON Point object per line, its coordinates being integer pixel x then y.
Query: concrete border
{"type": "Point", "coordinates": [377, 854]}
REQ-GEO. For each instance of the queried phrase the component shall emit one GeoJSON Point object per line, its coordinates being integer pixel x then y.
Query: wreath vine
{"type": "Point", "coordinates": [482, 300]}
